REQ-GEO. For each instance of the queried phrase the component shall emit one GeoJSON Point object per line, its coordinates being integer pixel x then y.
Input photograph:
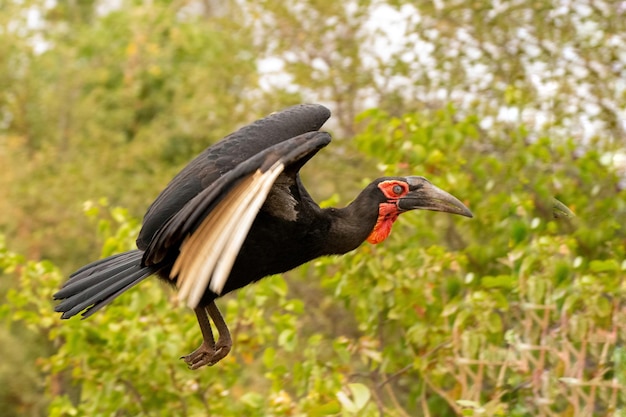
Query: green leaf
{"type": "Point", "coordinates": [287, 339]}
{"type": "Point", "coordinates": [608, 265]}
{"type": "Point", "coordinates": [252, 399]}
{"type": "Point", "coordinates": [494, 323]}
{"type": "Point", "coordinates": [328, 409]}
{"type": "Point", "coordinates": [500, 281]}
{"type": "Point", "coordinates": [360, 395]}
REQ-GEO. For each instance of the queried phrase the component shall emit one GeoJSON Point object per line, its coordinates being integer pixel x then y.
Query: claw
{"type": "Point", "coordinates": [206, 355]}
{"type": "Point", "coordinates": [221, 351]}
{"type": "Point", "coordinates": [209, 353]}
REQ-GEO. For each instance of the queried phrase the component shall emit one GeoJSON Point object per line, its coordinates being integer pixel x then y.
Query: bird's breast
{"type": "Point", "coordinates": [275, 245]}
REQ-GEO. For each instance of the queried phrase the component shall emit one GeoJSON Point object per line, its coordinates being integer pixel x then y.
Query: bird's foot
{"type": "Point", "coordinates": [207, 355]}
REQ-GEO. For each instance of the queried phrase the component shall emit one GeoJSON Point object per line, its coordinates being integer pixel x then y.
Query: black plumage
{"type": "Point", "coordinates": [239, 212]}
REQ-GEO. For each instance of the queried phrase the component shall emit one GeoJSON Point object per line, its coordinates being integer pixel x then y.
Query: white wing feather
{"type": "Point", "coordinates": [208, 255]}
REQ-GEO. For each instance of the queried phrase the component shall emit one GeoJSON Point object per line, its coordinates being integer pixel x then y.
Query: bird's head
{"type": "Point", "coordinates": [397, 195]}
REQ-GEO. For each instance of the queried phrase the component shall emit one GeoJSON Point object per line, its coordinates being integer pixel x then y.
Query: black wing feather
{"type": "Point", "coordinates": [171, 235]}
{"type": "Point", "coordinates": [224, 157]}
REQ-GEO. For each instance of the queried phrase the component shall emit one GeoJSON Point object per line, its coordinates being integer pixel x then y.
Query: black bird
{"type": "Point", "coordinates": [238, 213]}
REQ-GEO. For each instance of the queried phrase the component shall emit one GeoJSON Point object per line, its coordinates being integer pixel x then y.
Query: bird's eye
{"type": "Point", "coordinates": [393, 189]}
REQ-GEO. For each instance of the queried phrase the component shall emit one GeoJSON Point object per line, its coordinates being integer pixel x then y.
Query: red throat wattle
{"type": "Point", "coordinates": [387, 214]}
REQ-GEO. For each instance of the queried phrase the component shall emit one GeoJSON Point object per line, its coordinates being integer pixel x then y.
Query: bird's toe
{"type": "Point", "coordinates": [199, 357]}
{"type": "Point", "coordinates": [206, 355]}
{"type": "Point", "coordinates": [221, 351]}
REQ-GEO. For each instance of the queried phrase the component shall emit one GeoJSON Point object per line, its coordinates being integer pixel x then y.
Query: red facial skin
{"type": "Point", "coordinates": [388, 212]}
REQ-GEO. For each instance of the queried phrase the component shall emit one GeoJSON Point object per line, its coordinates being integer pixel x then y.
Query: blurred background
{"type": "Point", "coordinates": [507, 104]}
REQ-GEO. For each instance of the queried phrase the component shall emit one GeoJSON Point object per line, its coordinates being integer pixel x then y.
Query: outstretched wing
{"type": "Point", "coordinates": [225, 156]}
{"type": "Point", "coordinates": [211, 228]}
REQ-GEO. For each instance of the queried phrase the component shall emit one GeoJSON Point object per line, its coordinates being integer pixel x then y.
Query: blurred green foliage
{"type": "Point", "coordinates": [512, 313]}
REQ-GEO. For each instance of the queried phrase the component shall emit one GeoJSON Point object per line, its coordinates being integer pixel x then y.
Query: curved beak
{"type": "Point", "coordinates": [423, 195]}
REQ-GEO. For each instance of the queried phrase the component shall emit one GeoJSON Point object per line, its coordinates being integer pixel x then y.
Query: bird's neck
{"type": "Point", "coordinates": [352, 225]}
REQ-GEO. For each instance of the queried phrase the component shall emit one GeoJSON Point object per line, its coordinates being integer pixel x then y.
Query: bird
{"type": "Point", "coordinates": [239, 212]}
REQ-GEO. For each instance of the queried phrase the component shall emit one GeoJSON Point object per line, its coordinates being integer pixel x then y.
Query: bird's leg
{"type": "Point", "coordinates": [197, 358]}
{"type": "Point", "coordinates": [209, 352]}
{"type": "Point", "coordinates": [224, 341]}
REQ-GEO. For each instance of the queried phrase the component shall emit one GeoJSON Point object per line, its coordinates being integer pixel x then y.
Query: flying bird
{"type": "Point", "coordinates": [239, 212]}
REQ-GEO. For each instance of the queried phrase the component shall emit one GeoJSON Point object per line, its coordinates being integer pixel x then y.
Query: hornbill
{"type": "Point", "coordinates": [239, 212]}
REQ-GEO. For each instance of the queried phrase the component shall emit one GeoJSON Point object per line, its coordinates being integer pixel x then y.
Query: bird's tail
{"type": "Point", "coordinates": [97, 284]}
